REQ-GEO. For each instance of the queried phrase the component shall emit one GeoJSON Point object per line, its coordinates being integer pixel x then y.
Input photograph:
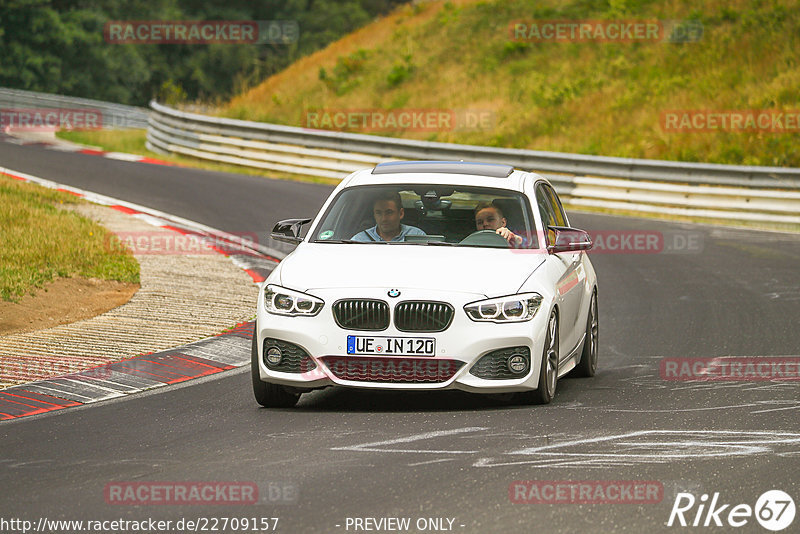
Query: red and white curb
{"type": "Point", "coordinates": [121, 156]}
{"type": "Point", "coordinates": [80, 149]}
{"type": "Point", "coordinates": [223, 352]}
{"type": "Point", "coordinates": [206, 357]}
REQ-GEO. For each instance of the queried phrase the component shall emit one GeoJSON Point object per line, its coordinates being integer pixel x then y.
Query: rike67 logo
{"type": "Point", "coordinates": [774, 510]}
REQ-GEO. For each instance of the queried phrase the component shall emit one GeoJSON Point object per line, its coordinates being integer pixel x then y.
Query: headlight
{"type": "Point", "coordinates": [282, 301]}
{"type": "Point", "coordinates": [511, 309]}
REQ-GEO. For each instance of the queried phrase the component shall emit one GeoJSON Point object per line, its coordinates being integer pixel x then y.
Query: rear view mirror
{"type": "Point", "coordinates": [566, 239]}
{"type": "Point", "coordinates": [288, 230]}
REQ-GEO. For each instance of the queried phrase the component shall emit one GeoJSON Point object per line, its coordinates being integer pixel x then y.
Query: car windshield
{"type": "Point", "coordinates": [428, 215]}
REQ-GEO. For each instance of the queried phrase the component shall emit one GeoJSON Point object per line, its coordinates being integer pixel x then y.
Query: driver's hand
{"type": "Point", "coordinates": [512, 238]}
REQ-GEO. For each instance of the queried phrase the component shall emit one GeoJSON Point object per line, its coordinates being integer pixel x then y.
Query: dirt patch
{"type": "Point", "coordinates": [63, 301]}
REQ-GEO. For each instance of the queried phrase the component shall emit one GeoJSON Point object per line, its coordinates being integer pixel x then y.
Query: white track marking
{"type": "Point", "coordinates": [373, 446]}
{"type": "Point", "coordinates": [795, 407]}
{"type": "Point", "coordinates": [794, 404]}
{"type": "Point", "coordinates": [431, 462]}
{"type": "Point", "coordinates": [582, 441]}
{"type": "Point", "coordinates": [658, 447]}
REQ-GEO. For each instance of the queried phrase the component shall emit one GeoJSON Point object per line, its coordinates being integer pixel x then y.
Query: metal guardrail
{"type": "Point", "coordinates": [115, 116]}
{"type": "Point", "coordinates": [770, 194]}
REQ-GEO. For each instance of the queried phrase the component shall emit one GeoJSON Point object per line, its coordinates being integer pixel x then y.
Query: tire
{"type": "Point", "coordinates": [587, 367]}
{"type": "Point", "coordinates": [548, 371]}
{"type": "Point", "coordinates": [266, 394]}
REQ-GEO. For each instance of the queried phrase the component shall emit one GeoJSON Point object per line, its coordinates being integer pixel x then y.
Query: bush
{"type": "Point", "coordinates": [345, 73]}
{"type": "Point", "coordinates": [400, 72]}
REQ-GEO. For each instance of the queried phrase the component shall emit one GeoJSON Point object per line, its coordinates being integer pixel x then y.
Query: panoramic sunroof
{"type": "Point", "coordinates": [494, 170]}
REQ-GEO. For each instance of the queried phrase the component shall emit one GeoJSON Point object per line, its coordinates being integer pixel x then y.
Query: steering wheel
{"type": "Point", "coordinates": [485, 238]}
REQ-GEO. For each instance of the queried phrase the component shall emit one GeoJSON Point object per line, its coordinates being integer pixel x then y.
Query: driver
{"type": "Point", "coordinates": [490, 217]}
{"type": "Point", "coordinates": [388, 211]}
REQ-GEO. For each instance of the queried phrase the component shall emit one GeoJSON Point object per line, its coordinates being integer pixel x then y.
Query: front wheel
{"type": "Point", "coordinates": [266, 394]}
{"type": "Point", "coordinates": [548, 371]}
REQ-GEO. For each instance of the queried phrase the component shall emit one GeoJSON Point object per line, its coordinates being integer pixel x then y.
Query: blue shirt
{"type": "Point", "coordinates": [371, 234]}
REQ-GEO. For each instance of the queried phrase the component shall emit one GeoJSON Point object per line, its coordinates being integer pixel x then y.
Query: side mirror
{"type": "Point", "coordinates": [566, 239]}
{"type": "Point", "coordinates": [288, 230]}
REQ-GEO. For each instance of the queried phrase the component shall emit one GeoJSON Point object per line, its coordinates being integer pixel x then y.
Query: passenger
{"type": "Point", "coordinates": [388, 212]}
{"type": "Point", "coordinates": [488, 216]}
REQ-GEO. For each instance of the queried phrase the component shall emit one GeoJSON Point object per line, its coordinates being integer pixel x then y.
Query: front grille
{"type": "Point", "coordinates": [422, 316]}
{"type": "Point", "coordinates": [404, 370]}
{"type": "Point", "coordinates": [494, 366]}
{"type": "Point", "coordinates": [361, 314]}
{"type": "Point", "coordinates": [293, 360]}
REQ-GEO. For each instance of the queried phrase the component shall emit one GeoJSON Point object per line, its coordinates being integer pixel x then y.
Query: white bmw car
{"type": "Point", "coordinates": [429, 275]}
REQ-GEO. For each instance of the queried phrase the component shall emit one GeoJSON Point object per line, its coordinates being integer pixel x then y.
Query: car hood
{"type": "Point", "coordinates": [482, 271]}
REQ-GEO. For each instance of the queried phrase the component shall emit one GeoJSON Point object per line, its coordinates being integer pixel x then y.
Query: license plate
{"type": "Point", "coordinates": [391, 346]}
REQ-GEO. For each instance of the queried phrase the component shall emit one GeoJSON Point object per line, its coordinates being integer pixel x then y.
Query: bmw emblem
{"type": "Point", "coordinates": [394, 293]}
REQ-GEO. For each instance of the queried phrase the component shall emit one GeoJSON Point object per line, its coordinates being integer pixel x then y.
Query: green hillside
{"type": "Point", "coordinates": [590, 97]}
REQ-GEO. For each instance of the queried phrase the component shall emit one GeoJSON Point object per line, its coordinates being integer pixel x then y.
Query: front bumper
{"type": "Point", "coordinates": [457, 349]}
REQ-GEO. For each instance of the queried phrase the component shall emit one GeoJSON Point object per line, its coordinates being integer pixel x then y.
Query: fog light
{"type": "Point", "coordinates": [517, 364]}
{"type": "Point", "coordinates": [274, 355]}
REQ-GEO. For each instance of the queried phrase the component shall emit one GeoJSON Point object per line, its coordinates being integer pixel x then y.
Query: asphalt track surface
{"type": "Point", "coordinates": [354, 454]}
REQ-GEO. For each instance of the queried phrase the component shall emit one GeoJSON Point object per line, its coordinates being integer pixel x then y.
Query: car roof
{"type": "Point", "coordinates": [440, 173]}
{"type": "Point", "coordinates": [495, 170]}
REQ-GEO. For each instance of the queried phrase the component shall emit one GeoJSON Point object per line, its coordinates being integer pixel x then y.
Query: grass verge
{"type": "Point", "coordinates": [583, 97]}
{"type": "Point", "coordinates": [42, 241]}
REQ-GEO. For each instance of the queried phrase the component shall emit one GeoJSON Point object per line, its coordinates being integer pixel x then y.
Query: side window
{"type": "Point", "coordinates": [550, 216]}
{"type": "Point", "coordinates": [547, 213]}
{"type": "Point", "coordinates": [545, 209]}
{"type": "Point", "coordinates": [555, 203]}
